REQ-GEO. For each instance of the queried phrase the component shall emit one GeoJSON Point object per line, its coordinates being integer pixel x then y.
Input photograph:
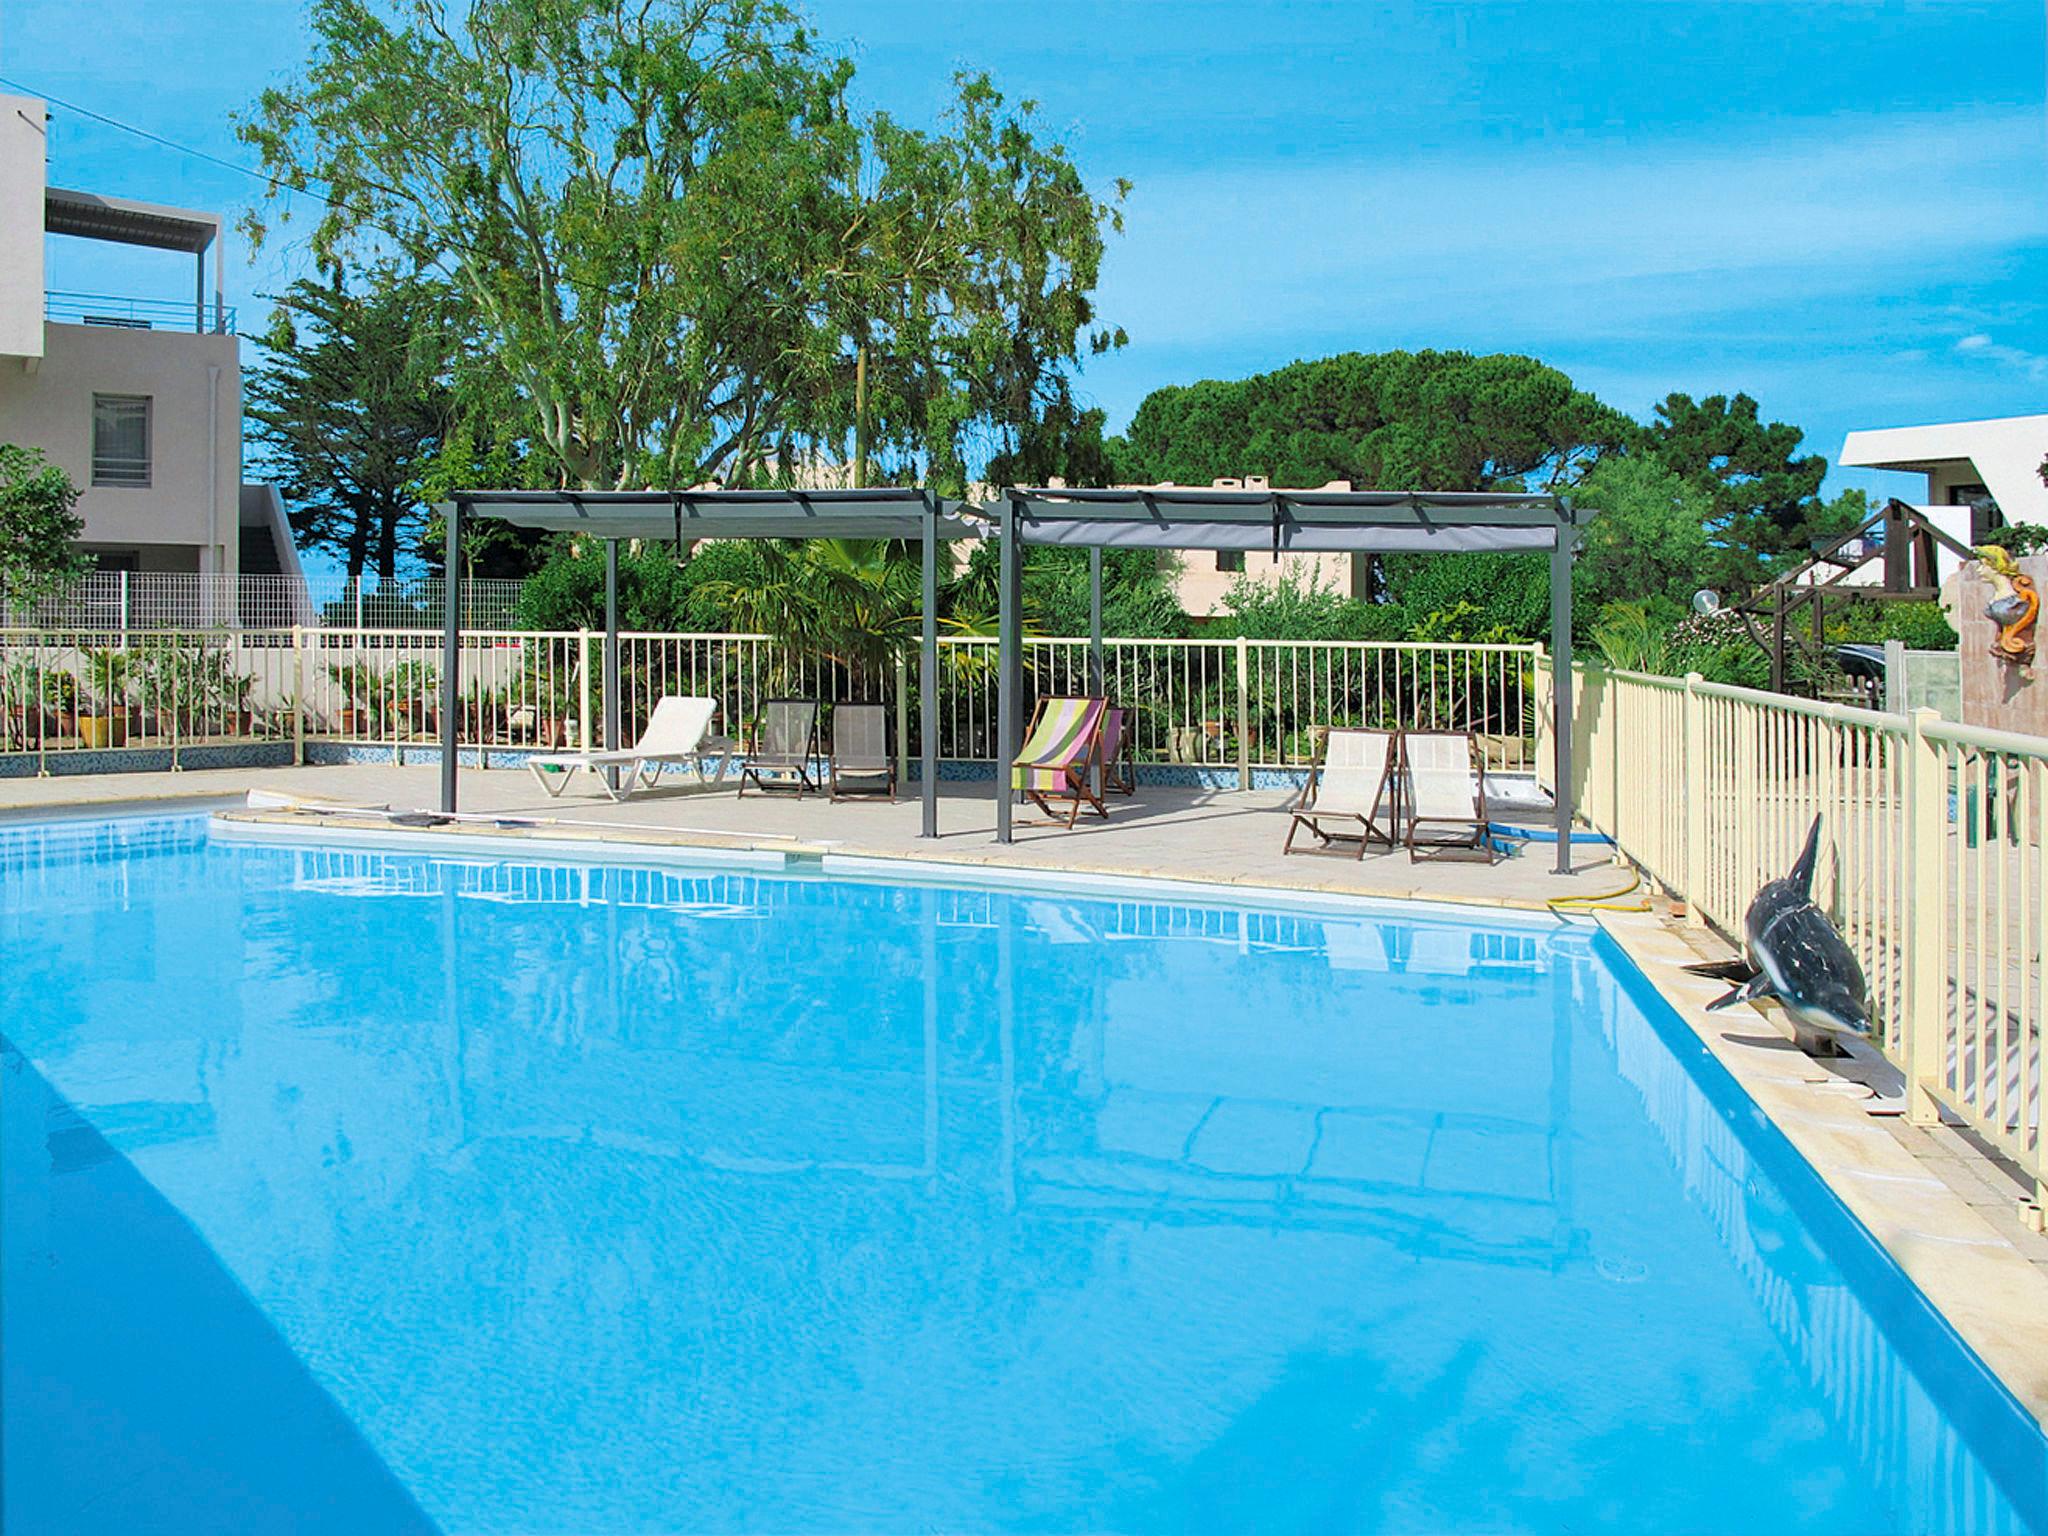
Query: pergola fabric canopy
{"type": "Point", "coordinates": [1330, 520]}
{"type": "Point", "coordinates": [887, 512]}
{"type": "Point", "coordinates": [1305, 522]}
{"type": "Point", "coordinates": [881, 512]}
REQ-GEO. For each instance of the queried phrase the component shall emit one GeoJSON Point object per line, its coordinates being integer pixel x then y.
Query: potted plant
{"type": "Point", "coordinates": [356, 681]}
{"type": "Point", "coordinates": [229, 692]}
{"type": "Point", "coordinates": [415, 689]}
{"type": "Point", "coordinates": [104, 721]}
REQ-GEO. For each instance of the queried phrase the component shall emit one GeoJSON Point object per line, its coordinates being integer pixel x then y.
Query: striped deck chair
{"type": "Point", "coordinates": [1446, 784]}
{"type": "Point", "coordinates": [1351, 786]}
{"type": "Point", "coordinates": [1061, 752]}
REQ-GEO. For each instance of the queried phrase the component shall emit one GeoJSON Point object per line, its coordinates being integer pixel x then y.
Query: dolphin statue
{"type": "Point", "coordinates": [1797, 956]}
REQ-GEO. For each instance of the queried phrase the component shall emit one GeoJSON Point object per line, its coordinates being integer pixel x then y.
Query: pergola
{"type": "Point", "coordinates": [685, 516]}
{"type": "Point", "coordinates": [1279, 521]}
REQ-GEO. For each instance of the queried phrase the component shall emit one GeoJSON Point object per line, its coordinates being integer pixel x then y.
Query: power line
{"type": "Point", "coordinates": [156, 138]}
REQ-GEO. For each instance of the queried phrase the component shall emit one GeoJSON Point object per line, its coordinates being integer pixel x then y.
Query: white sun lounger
{"type": "Point", "coordinates": [677, 732]}
{"type": "Point", "coordinates": [1351, 787]}
{"type": "Point", "coordinates": [1446, 783]}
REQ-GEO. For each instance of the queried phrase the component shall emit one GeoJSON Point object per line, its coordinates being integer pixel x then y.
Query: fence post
{"type": "Point", "coordinates": [127, 617]}
{"type": "Point", "coordinates": [583, 690]}
{"type": "Point", "coordinates": [1695, 801]}
{"type": "Point", "coordinates": [1923, 1021]}
{"type": "Point", "coordinates": [299, 695]}
{"type": "Point", "coordinates": [1244, 713]}
{"type": "Point", "coordinates": [902, 719]}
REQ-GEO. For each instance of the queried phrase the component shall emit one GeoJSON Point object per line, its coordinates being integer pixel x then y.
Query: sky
{"type": "Point", "coordinates": [1840, 207]}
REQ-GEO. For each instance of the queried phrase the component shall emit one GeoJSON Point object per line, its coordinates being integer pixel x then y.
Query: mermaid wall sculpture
{"type": "Point", "coordinates": [2014, 606]}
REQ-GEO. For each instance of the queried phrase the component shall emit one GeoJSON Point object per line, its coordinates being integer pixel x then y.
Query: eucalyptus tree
{"type": "Point", "coordinates": [683, 251]}
{"type": "Point", "coordinates": [621, 195]}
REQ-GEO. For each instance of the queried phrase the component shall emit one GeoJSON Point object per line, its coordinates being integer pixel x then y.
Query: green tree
{"type": "Point", "coordinates": [348, 409]}
{"type": "Point", "coordinates": [1767, 509]}
{"type": "Point", "coordinates": [38, 527]}
{"type": "Point", "coordinates": [683, 254]}
{"type": "Point", "coordinates": [1433, 421]}
{"type": "Point", "coordinates": [1296, 609]}
{"type": "Point", "coordinates": [1648, 543]}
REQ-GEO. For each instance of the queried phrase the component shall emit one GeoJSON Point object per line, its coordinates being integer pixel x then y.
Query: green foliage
{"type": "Point", "coordinates": [1918, 626]}
{"type": "Point", "coordinates": [37, 527]}
{"type": "Point", "coordinates": [1767, 511]}
{"type": "Point", "coordinates": [1137, 593]}
{"type": "Point", "coordinates": [855, 602]}
{"type": "Point", "coordinates": [671, 245]}
{"type": "Point", "coordinates": [1630, 639]}
{"type": "Point", "coordinates": [1296, 609]}
{"type": "Point", "coordinates": [1472, 596]}
{"type": "Point", "coordinates": [347, 411]}
{"type": "Point", "coordinates": [1647, 545]}
{"type": "Point", "coordinates": [1436, 421]}
{"type": "Point", "coordinates": [2019, 538]}
{"type": "Point", "coordinates": [567, 592]}
{"type": "Point", "coordinates": [1716, 646]}
{"type": "Point", "coordinates": [714, 570]}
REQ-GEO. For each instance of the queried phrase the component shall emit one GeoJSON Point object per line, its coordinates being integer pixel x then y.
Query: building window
{"type": "Point", "coordinates": [120, 440]}
{"type": "Point", "coordinates": [1229, 559]}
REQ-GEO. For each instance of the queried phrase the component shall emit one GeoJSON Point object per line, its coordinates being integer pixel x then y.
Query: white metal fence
{"type": "Point", "coordinates": [1239, 705]}
{"type": "Point", "coordinates": [1931, 863]}
{"type": "Point", "coordinates": [123, 601]}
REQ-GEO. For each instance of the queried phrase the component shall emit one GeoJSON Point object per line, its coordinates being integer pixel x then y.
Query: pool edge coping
{"type": "Point", "coordinates": [1991, 1294]}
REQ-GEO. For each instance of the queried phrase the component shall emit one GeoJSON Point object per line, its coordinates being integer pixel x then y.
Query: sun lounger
{"type": "Point", "coordinates": [1351, 788]}
{"type": "Point", "coordinates": [1446, 788]}
{"type": "Point", "coordinates": [1061, 752]}
{"type": "Point", "coordinates": [677, 732]}
{"type": "Point", "coordinates": [861, 764]}
{"type": "Point", "coordinates": [785, 748]}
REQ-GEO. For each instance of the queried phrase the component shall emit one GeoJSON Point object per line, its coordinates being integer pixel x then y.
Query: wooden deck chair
{"type": "Point", "coordinates": [1061, 752]}
{"type": "Point", "coordinates": [1118, 774]}
{"type": "Point", "coordinates": [1352, 787]}
{"type": "Point", "coordinates": [678, 731]}
{"type": "Point", "coordinates": [1445, 780]}
{"type": "Point", "coordinates": [861, 766]}
{"type": "Point", "coordinates": [785, 748]}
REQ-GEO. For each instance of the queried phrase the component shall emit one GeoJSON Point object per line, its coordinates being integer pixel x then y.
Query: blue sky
{"type": "Point", "coordinates": [1839, 207]}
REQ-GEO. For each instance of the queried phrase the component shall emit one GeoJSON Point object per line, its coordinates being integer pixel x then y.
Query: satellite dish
{"type": "Point", "coordinates": [1706, 601]}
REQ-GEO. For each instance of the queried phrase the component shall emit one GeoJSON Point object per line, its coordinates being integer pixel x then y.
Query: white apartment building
{"type": "Point", "coordinates": [138, 398]}
{"type": "Point", "coordinates": [1971, 467]}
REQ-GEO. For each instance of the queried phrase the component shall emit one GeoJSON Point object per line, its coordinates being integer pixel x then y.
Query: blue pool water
{"type": "Point", "coordinates": [357, 1191]}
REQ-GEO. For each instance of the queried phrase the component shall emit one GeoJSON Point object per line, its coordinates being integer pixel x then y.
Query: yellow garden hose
{"type": "Point", "coordinates": [1605, 901]}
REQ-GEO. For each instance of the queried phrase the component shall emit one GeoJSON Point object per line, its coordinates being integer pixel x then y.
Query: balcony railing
{"type": "Point", "coordinates": [189, 316]}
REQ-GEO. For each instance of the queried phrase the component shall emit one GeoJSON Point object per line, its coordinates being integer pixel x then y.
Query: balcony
{"type": "Point", "coordinates": [189, 316]}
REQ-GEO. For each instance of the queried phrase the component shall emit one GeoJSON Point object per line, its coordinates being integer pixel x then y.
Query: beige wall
{"type": "Point", "coordinates": [22, 147]}
{"type": "Point", "coordinates": [1201, 587]}
{"type": "Point", "coordinates": [195, 387]}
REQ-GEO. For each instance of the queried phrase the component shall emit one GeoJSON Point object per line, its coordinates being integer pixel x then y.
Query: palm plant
{"type": "Point", "coordinates": [852, 602]}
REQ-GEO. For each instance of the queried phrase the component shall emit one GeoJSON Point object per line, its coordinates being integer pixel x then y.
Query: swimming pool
{"type": "Point", "coordinates": [357, 1190]}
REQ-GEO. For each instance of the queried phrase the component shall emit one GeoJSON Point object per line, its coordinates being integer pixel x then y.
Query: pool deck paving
{"type": "Point", "coordinates": [1954, 1217]}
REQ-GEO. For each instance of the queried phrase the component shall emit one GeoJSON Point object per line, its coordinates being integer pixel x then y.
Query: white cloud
{"type": "Point", "coordinates": [1979, 345]}
{"type": "Point", "coordinates": [1610, 238]}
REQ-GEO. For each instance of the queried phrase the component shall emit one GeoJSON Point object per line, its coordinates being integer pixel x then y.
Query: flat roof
{"type": "Point", "coordinates": [1923, 449]}
{"type": "Point", "coordinates": [883, 512]}
{"type": "Point", "coordinates": [1325, 520]}
{"type": "Point", "coordinates": [126, 222]}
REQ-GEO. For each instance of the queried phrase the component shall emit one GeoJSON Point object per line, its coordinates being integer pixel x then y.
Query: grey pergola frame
{"type": "Point", "coordinates": [890, 512]}
{"type": "Point", "coordinates": [1279, 521]}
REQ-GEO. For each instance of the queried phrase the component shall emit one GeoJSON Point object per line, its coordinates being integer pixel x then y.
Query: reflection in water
{"type": "Point", "coordinates": [650, 1199]}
